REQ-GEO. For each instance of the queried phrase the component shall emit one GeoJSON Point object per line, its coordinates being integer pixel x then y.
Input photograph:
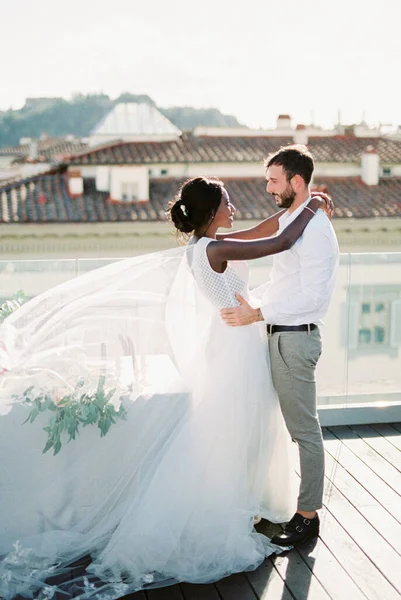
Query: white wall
{"type": "Point", "coordinates": [215, 169]}
{"type": "Point", "coordinates": [8, 173]}
{"type": "Point", "coordinates": [254, 169]}
{"type": "Point", "coordinates": [96, 140]}
{"type": "Point", "coordinates": [29, 169]}
{"type": "Point", "coordinates": [102, 174]}
{"type": "Point", "coordinates": [370, 168]}
{"type": "Point", "coordinates": [126, 175]}
{"type": "Point", "coordinates": [87, 172]}
{"type": "Point", "coordinates": [395, 170]}
{"type": "Point", "coordinates": [337, 170]}
{"type": "Point", "coordinates": [21, 170]}
{"type": "Point", "coordinates": [365, 131]}
{"type": "Point", "coordinates": [5, 161]}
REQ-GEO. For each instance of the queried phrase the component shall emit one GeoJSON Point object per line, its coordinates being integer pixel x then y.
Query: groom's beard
{"type": "Point", "coordinates": [286, 199]}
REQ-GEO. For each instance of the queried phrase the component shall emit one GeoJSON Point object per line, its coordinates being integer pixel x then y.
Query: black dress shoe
{"type": "Point", "coordinates": [298, 530]}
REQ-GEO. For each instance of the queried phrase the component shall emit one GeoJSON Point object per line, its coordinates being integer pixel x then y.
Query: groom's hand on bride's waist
{"type": "Point", "coordinates": [244, 314]}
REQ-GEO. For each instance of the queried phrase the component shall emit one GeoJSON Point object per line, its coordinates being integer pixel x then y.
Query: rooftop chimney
{"type": "Point", "coordinates": [370, 163]}
{"type": "Point", "coordinates": [284, 122]}
{"type": "Point", "coordinates": [33, 150]}
{"type": "Point", "coordinates": [75, 183]}
{"type": "Point", "coordinates": [301, 135]}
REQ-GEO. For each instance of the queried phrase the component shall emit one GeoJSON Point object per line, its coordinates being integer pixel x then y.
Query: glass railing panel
{"type": "Point", "coordinates": [374, 339]}
{"type": "Point", "coordinates": [34, 276]}
{"type": "Point", "coordinates": [361, 360]}
{"type": "Point", "coordinates": [90, 264]}
{"type": "Point", "coordinates": [331, 372]}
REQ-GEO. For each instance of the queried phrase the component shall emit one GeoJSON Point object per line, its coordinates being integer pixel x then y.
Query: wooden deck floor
{"type": "Point", "coordinates": [358, 554]}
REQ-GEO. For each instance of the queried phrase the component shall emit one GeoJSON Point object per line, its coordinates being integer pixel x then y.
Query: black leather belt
{"type": "Point", "coordinates": [281, 328]}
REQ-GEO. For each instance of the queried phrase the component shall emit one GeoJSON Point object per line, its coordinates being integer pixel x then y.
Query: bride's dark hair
{"type": "Point", "coordinates": [195, 204]}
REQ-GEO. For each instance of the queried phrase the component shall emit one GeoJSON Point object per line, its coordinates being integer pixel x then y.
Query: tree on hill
{"type": "Point", "coordinates": [187, 117]}
{"type": "Point", "coordinates": [127, 97]}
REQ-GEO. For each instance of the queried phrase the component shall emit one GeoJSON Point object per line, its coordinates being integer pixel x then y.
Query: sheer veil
{"type": "Point", "coordinates": [91, 325]}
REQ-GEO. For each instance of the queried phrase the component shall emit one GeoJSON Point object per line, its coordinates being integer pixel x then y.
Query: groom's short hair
{"type": "Point", "coordinates": [295, 160]}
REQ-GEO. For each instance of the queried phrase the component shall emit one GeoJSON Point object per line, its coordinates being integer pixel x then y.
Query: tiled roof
{"type": "Point", "coordinates": [241, 149]}
{"type": "Point", "coordinates": [44, 198]}
{"type": "Point", "coordinates": [353, 198]}
{"type": "Point", "coordinates": [47, 149]}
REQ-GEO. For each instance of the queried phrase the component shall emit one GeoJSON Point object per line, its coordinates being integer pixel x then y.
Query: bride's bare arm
{"type": "Point", "coordinates": [219, 252]}
{"type": "Point", "coordinates": [269, 226]}
{"type": "Point", "coordinates": [265, 229]}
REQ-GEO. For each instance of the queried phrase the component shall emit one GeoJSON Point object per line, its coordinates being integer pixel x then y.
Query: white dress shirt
{"type": "Point", "coordinates": [302, 278]}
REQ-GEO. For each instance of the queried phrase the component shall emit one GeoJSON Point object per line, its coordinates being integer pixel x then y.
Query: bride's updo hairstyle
{"type": "Point", "coordinates": [195, 204]}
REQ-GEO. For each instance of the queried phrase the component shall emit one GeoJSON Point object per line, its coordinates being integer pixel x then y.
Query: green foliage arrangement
{"type": "Point", "coordinates": [72, 411]}
{"type": "Point", "coordinates": [9, 306]}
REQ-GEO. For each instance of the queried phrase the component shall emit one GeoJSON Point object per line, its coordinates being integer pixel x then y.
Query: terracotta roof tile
{"type": "Point", "coordinates": [48, 149]}
{"type": "Point", "coordinates": [236, 149]}
{"type": "Point", "coordinates": [45, 198]}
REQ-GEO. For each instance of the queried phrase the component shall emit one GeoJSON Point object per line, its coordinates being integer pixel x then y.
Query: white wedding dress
{"type": "Point", "coordinates": [169, 494]}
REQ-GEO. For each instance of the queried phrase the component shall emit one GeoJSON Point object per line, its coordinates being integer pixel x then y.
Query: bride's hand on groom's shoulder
{"type": "Point", "coordinates": [327, 204]}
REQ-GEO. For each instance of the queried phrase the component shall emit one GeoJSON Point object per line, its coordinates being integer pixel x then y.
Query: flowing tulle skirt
{"type": "Point", "coordinates": [168, 495]}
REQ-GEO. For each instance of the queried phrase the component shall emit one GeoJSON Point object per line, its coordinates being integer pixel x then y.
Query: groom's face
{"type": "Point", "coordinates": [279, 186]}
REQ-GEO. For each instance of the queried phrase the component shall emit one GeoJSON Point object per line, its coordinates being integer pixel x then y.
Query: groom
{"type": "Point", "coordinates": [294, 302]}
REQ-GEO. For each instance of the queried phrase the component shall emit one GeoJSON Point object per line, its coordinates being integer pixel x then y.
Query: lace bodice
{"type": "Point", "coordinates": [219, 288]}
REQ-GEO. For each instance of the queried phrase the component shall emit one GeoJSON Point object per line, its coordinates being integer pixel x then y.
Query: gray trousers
{"type": "Point", "coordinates": [293, 356]}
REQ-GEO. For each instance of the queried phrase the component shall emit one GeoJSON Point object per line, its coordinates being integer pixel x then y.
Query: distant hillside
{"type": "Point", "coordinates": [59, 117]}
{"type": "Point", "coordinates": [186, 117]}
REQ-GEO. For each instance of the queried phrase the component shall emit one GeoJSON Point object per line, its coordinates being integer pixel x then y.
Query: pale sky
{"type": "Point", "coordinates": [253, 59]}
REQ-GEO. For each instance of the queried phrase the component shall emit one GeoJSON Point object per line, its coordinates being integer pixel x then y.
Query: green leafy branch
{"type": "Point", "coordinates": [9, 306]}
{"type": "Point", "coordinates": [72, 411]}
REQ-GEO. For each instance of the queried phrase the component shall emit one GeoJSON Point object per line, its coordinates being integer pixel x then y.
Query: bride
{"type": "Point", "coordinates": [192, 445]}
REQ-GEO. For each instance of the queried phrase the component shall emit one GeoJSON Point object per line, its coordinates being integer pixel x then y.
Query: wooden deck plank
{"type": "Point", "coordinates": [379, 551]}
{"type": "Point", "coordinates": [358, 554]}
{"type": "Point", "coordinates": [298, 577]}
{"type": "Point", "coordinates": [373, 460]}
{"type": "Point", "coordinates": [334, 572]}
{"type": "Point", "coordinates": [355, 562]}
{"type": "Point", "coordinates": [267, 583]}
{"type": "Point", "coordinates": [135, 596]}
{"type": "Point", "coordinates": [235, 587]}
{"type": "Point", "coordinates": [191, 591]}
{"type": "Point", "coordinates": [328, 569]}
{"type": "Point", "coordinates": [351, 560]}
{"type": "Point", "coordinates": [355, 465]}
{"type": "Point", "coordinates": [359, 567]}
{"type": "Point", "coordinates": [378, 443]}
{"type": "Point", "coordinates": [171, 592]}
{"type": "Point", "coordinates": [364, 502]}
{"type": "Point", "coordinates": [389, 432]}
